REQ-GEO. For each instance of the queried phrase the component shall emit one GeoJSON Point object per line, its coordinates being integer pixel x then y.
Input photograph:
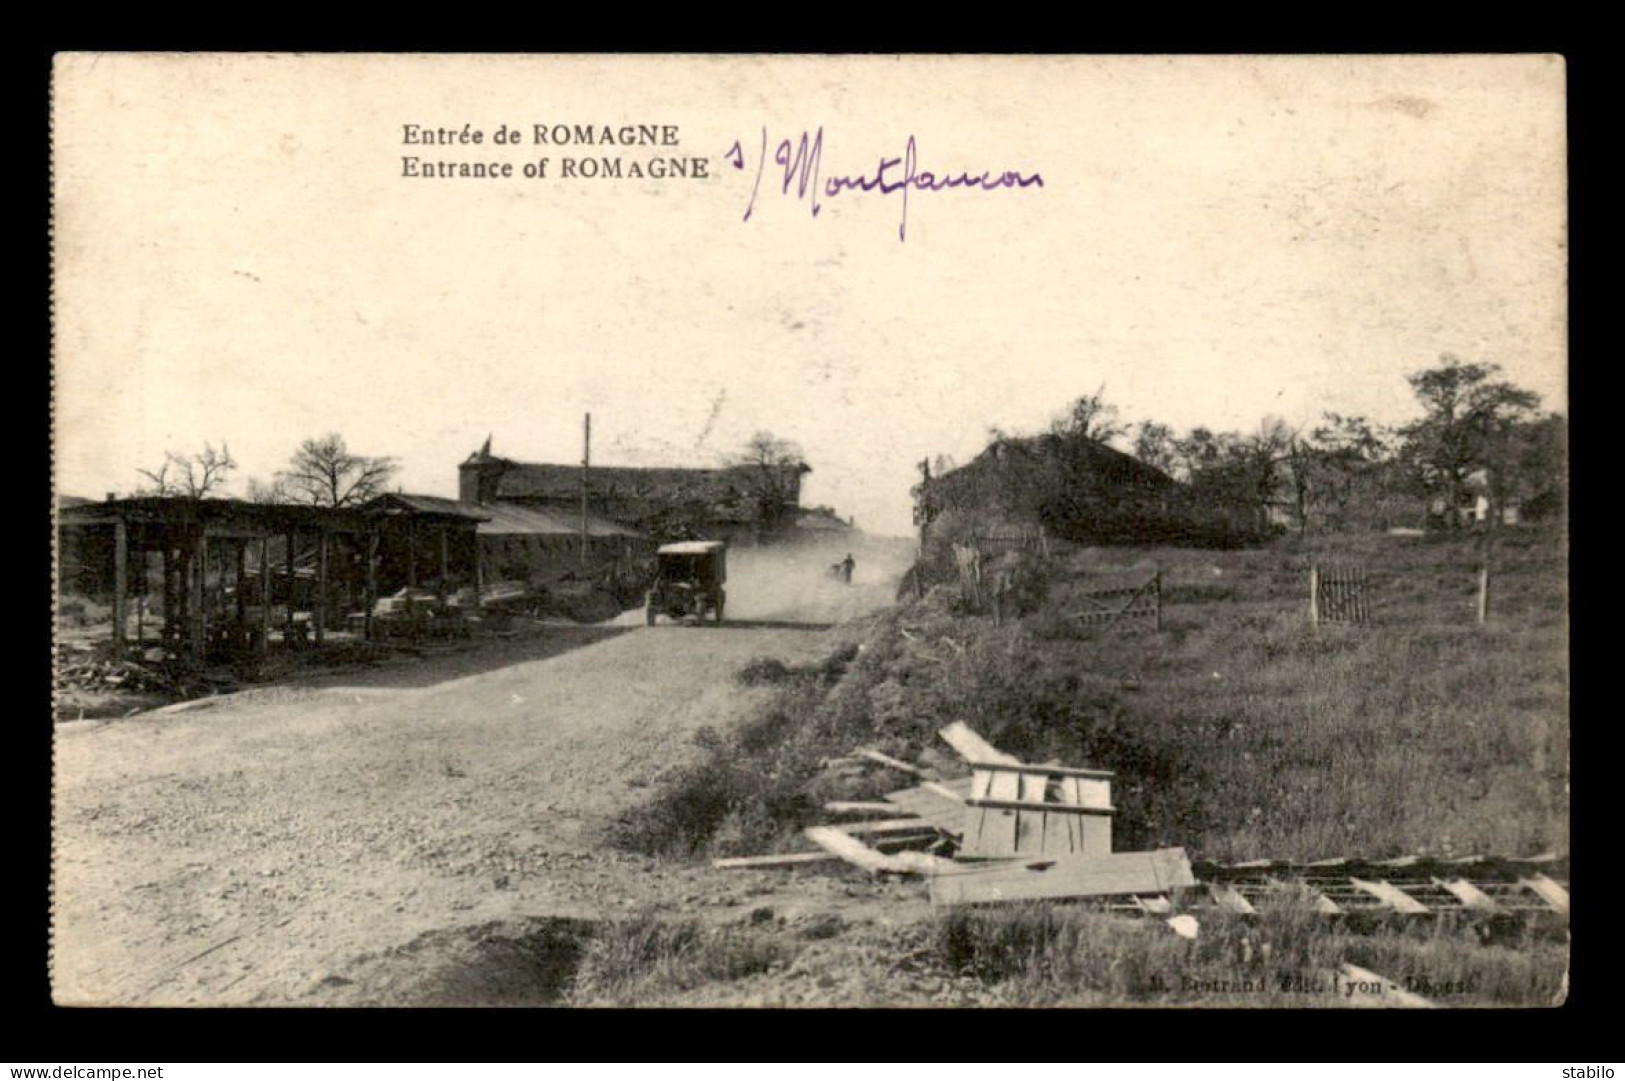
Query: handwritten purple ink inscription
{"type": "Point", "coordinates": [801, 163]}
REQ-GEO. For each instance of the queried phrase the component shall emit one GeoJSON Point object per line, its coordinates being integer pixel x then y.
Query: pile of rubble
{"type": "Point", "coordinates": [91, 673]}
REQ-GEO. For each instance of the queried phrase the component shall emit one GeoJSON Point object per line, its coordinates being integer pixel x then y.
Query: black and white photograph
{"type": "Point", "coordinates": [806, 531]}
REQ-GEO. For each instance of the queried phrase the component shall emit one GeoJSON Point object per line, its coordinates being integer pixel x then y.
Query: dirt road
{"type": "Point", "coordinates": [268, 847]}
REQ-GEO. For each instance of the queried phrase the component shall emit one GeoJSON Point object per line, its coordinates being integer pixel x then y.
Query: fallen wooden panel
{"type": "Point", "coordinates": [1548, 891]}
{"type": "Point", "coordinates": [1040, 879]}
{"type": "Point", "coordinates": [1391, 895]}
{"type": "Point", "coordinates": [934, 804]}
{"type": "Point", "coordinates": [972, 747]}
{"type": "Point", "coordinates": [765, 863]}
{"type": "Point", "coordinates": [855, 852]}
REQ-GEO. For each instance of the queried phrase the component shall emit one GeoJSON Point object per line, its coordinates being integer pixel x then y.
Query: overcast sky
{"type": "Point", "coordinates": [239, 258]}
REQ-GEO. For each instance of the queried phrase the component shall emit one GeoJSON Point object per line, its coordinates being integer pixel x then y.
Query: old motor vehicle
{"type": "Point", "coordinates": [688, 581]}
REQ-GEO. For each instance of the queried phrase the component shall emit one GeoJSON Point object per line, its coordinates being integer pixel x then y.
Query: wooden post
{"type": "Point", "coordinates": [1314, 595]}
{"type": "Point", "coordinates": [586, 466]}
{"type": "Point", "coordinates": [372, 581]}
{"type": "Point", "coordinates": [121, 545]}
{"type": "Point", "coordinates": [265, 595]}
{"type": "Point", "coordinates": [289, 564]}
{"type": "Point", "coordinates": [1156, 594]}
{"type": "Point", "coordinates": [320, 614]}
{"type": "Point", "coordinates": [240, 554]}
{"type": "Point", "coordinates": [445, 563]}
{"type": "Point", "coordinates": [1483, 593]}
{"type": "Point", "coordinates": [141, 603]}
{"type": "Point", "coordinates": [925, 505]}
{"type": "Point", "coordinates": [170, 624]}
{"type": "Point", "coordinates": [197, 608]}
{"type": "Point", "coordinates": [411, 559]}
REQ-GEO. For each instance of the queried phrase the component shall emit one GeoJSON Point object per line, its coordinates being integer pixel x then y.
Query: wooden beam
{"type": "Point", "coordinates": [372, 582]}
{"type": "Point", "coordinates": [1547, 890]}
{"type": "Point", "coordinates": [198, 609]}
{"type": "Point", "coordinates": [789, 859]}
{"type": "Point", "coordinates": [265, 596]}
{"type": "Point", "coordinates": [934, 804]}
{"type": "Point", "coordinates": [886, 825]}
{"type": "Point", "coordinates": [445, 565]}
{"type": "Point", "coordinates": [856, 852]}
{"type": "Point", "coordinates": [1060, 878]}
{"type": "Point", "coordinates": [888, 760]}
{"type": "Point", "coordinates": [121, 555]}
{"type": "Point", "coordinates": [973, 748]}
{"type": "Point", "coordinates": [1468, 894]}
{"type": "Point", "coordinates": [1391, 895]}
{"type": "Point", "coordinates": [851, 807]}
{"type": "Point", "coordinates": [319, 616]}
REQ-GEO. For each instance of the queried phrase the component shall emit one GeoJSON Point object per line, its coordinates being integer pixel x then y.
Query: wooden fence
{"type": "Point", "coordinates": [1337, 594]}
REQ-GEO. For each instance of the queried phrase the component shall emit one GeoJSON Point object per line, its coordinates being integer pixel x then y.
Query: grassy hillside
{"type": "Point", "coordinates": [1238, 730]}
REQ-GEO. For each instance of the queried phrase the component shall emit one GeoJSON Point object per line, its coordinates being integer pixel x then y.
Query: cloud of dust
{"type": "Point", "coordinates": [794, 584]}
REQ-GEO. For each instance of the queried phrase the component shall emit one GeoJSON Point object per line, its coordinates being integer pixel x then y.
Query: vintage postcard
{"type": "Point", "coordinates": [800, 531]}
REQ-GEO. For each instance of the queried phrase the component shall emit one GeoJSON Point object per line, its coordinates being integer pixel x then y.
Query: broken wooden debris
{"type": "Point", "coordinates": [765, 863]}
{"type": "Point", "coordinates": [1390, 895]}
{"type": "Point", "coordinates": [942, 805]}
{"type": "Point", "coordinates": [973, 748]}
{"type": "Point", "coordinates": [1054, 879]}
{"type": "Point", "coordinates": [1548, 891]}
{"type": "Point", "coordinates": [855, 807]}
{"type": "Point", "coordinates": [887, 760]}
{"type": "Point", "coordinates": [855, 852]}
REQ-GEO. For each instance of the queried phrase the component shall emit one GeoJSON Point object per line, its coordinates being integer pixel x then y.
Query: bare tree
{"type": "Point", "coordinates": [324, 473]}
{"type": "Point", "coordinates": [191, 476]}
{"type": "Point", "coordinates": [774, 467]}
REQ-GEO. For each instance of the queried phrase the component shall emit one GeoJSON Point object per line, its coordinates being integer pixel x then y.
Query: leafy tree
{"type": "Point", "coordinates": [324, 473]}
{"type": "Point", "coordinates": [1154, 445]}
{"type": "Point", "coordinates": [1090, 417]}
{"type": "Point", "coordinates": [1469, 417]}
{"type": "Point", "coordinates": [193, 476]}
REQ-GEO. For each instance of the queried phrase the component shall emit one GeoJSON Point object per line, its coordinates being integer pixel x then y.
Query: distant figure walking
{"type": "Point", "coordinates": [846, 566]}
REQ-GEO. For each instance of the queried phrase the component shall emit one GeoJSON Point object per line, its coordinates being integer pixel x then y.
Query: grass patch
{"type": "Point", "coordinates": [639, 961]}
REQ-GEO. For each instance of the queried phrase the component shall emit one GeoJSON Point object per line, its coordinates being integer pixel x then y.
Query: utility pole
{"type": "Point", "coordinates": [586, 465]}
{"type": "Point", "coordinates": [925, 503]}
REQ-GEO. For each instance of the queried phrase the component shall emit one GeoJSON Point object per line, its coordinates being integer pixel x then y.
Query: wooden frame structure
{"type": "Point", "coordinates": [217, 554]}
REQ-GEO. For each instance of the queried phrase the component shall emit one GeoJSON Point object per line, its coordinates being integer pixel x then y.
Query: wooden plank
{"type": "Point", "coordinates": [1049, 769]}
{"type": "Point", "coordinates": [1550, 892]}
{"type": "Point", "coordinates": [788, 859]}
{"type": "Point", "coordinates": [1023, 805]}
{"type": "Point", "coordinates": [1229, 899]}
{"type": "Point", "coordinates": [859, 854]}
{"type": "Point", "coordinates": [1323, 904]}
{"type": "Point", "coordinates": [1468, 894]}
{"type": "Point", "coordinates": [848, 848]}
{"type": "Point", "coordinates": [888, 760]}
{"type": "Point", "coordinates": [972, 747]}
{"type": "Point", "coordinates": [944, 812]}
{"type": "Point", "coordinates": [1121, 874]}
{"type": "Point", "coordinates": [852, 807]}
{"type": "Point", "coordinates": [887, 825]}
{"type": "Point", "coordinates": [1391, 895]}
